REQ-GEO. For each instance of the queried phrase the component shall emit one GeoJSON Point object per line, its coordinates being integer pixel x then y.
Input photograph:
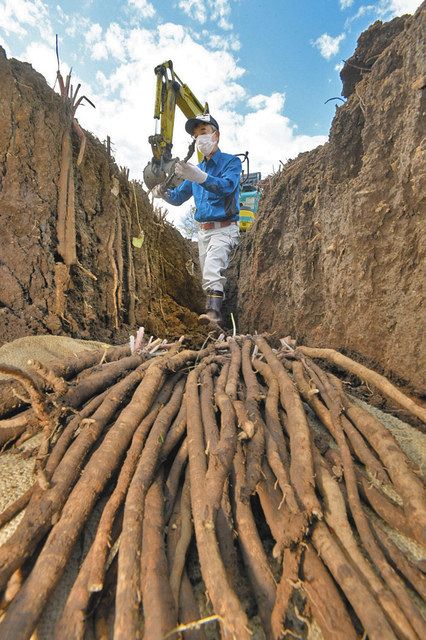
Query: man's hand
{"type": "Point", "coordinates": [158, 191]}
{"type": "Point", "coordinates": [189, 171]}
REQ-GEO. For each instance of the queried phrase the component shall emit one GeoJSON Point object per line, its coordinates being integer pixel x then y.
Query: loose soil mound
{"type": "Point", "coordinates": [337, 255]}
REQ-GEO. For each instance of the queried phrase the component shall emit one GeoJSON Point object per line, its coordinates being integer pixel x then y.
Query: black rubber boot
{"type": "Point", "coordinates": [213, 308]}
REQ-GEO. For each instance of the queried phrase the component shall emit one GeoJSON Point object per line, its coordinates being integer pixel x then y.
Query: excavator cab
{"type": "Point", "coordinates": [249, 199]}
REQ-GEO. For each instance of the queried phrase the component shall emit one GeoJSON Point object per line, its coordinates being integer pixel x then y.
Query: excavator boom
{"type": "Point", "coordinates": [170, 93]}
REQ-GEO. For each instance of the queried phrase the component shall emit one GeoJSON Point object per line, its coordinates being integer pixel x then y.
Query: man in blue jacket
{"type": "Point", "coordinates": [215, 185]}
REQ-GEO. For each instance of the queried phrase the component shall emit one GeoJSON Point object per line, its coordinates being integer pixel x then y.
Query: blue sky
{"type": "Point", "coordinates": [266, 68]}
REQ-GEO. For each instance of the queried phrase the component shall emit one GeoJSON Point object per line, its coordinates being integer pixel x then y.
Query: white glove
{"type": "Point", "coordinates": [189, 171]}
{"type": "Point", "coordinates": [158, 191]}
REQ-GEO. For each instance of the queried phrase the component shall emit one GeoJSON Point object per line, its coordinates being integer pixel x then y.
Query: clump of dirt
{"type": "Point", "coordinates": [336, 255]}
{"type": "Point", "coordinates": [112, 286]}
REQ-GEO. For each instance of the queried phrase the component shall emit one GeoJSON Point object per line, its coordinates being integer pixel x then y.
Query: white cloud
{"type": "Point", "coordinates": [266, 133]}
{"type": "Point", "coordinates": [228, 95]}
{"type": "Point", "coordinates": [212, 75]}
{"type": "Point", "coordinates": [391, 8]}
{"type": "Point", "coordinates": [327, 45]}
{"type": "Point", "coordinates": [99, 51]}
{"type": "Point", "coordinates": [345, 4]}
{"type": "Point", "coordinates": [229, 42]}
{"type": "Point", "coordinates": [338, 67]}
{"type": "Point", "coordinates": [144, 8]}
{"type": "Point", "coordinates": [139, 40]}
{"type": "Point", "coordinates": [195, 9]}
{"type": "Point", "coordinates": [43, 59]}
{"type": "Point", "coordinates": [112, 43]}
{"type": "Point", "coordinates": [221, 10]}
{"type": "Point", "coordinates": [5, 46]}
{"type": "Point", "coordinates": [93, 34]}
{"type": "Point", "coordinates": [62, 16]}
{"type": "Point", "coordinates": [384, 10]}
{"type": "Point", "coordinates": [202, 10]}
{"type": "Point", "coordinates": [362, 11]}
{"type": "Point", "coordinates": [17, 15]}
{"type": "Point", "coordinates": [115, 41]}
{"type": "Point", "coordinates": [74, 23]}
{"type": "Point", "coordinates": [274, 102]}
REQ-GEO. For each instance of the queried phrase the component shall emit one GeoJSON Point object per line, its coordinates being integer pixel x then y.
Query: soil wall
{"type": "Point", "coordinates": [336, 257]}
{"type": "Point", "coordinates": [111, 286]}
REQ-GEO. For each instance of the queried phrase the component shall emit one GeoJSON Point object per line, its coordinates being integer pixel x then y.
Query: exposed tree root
{"type": "Point", "coordinates": [128, 580]}
{"type": "Point", "coordinates": [182, 545]}
{"type": "Point", "coordinates": [31, 387]}
{"type": "Point", "coordinates": [337, 520]}
{"type": "Point", "coordinates": [221, 456]}
{"type": "Point", "coordinates": [173, 479]}
{"type": "Point", "coordinates": [383, 506]}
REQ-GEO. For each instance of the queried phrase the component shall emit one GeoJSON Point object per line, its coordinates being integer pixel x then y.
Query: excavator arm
{"type": "Point", "coordinates": [170, 93]}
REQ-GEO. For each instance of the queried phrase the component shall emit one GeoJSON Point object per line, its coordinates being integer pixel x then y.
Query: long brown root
{"type": "Point", "coordinates": [158, 601]}
{"type": "Point", "coordinates": [377, 380]}
{"type": "Point", "coordinates": [407, 483]}
{"type": "Point", "coordinates": [324, 599]}
{"type": "Point", "coordinates": [225, 506]}
{"type": "Point", "coordinates": [301, 465]}
{"type": "Point", "coordinates": [284, 590]}
{"type": "Point", "coordinates": [224, 600]}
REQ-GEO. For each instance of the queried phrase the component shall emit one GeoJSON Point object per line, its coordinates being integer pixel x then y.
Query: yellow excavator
{"type": "Point", "coordinates": [170, 93]}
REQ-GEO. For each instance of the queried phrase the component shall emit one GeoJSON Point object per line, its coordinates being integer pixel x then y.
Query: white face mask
{"type": "Point", "coordinates": [205, 143]}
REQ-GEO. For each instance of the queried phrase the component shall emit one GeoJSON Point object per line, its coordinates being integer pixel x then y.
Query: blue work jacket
{"type": "Point", "coordinates": [218, 197]}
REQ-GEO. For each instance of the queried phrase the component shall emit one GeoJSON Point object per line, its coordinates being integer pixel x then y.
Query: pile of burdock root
{"type": "Point", "coordinates": [243, 494]}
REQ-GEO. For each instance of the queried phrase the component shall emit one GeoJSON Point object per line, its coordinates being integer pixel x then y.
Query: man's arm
{"type": "Point", "coordinates": [180, 194]}
{"type": "Point", "coordinates": [227, 182]}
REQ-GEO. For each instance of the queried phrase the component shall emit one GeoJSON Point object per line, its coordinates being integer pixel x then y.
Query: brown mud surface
{"type": "Point", "coordinates": [155, 285]}
{"type": "Point", "coordinates": [336, 256]}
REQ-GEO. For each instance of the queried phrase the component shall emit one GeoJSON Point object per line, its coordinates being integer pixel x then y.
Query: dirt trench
{"type": "Point", "coordinates": [336, 256]}
{"type": "Point", "coordinates": [107, 287]}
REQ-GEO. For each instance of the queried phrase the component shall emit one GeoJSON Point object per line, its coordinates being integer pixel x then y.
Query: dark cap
{"type": "Point", "coordinates": [201, 119]}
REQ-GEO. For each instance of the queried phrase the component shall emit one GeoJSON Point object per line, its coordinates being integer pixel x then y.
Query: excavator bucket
{"type": "Point", "coordinates": [157, 172]}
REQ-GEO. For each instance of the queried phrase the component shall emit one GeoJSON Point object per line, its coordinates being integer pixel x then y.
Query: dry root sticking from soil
{"type": "Point", "coordinates": [241, 493]}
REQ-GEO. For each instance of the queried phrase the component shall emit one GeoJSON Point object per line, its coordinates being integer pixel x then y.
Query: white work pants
{"type": "Point", "coordinates": [215, 249]}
